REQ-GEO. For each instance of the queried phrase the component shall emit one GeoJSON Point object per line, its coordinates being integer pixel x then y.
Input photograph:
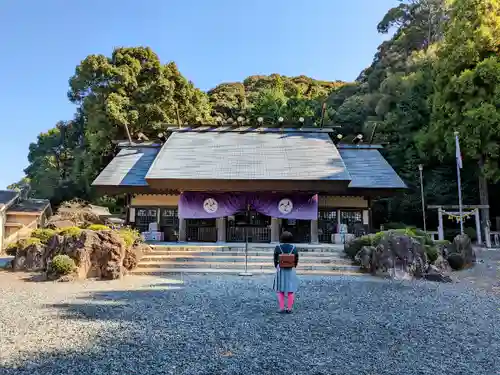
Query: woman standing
{"type": "Point", "coordinates": [286, 258]}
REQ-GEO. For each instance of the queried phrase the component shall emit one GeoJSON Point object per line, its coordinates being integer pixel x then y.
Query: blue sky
{"type": "Point", "coordinates": [211, 41]}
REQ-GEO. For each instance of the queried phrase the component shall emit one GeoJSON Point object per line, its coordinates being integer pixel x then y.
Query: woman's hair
{"type": "Point", "coordinates": [286, 237]}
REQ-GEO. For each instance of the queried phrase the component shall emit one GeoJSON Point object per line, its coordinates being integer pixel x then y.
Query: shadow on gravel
{"type": "Point", "coordinates": [228, 325]}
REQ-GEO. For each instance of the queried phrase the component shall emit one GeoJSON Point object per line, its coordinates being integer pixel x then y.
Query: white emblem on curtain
{"type": "Point", "coordinates": [285, 206]}
{"type": "Point", "coordinates": [210, 205]}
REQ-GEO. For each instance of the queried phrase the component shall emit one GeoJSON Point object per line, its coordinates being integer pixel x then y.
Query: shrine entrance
{"type": "Point", "coordinates": [468, 212]}
{"type": "Point", "coordinates": [248, 225]}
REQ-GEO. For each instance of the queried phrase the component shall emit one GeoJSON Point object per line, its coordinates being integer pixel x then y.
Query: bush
{"type": "Point", "coordinates": [13, 248]}
{"type": "Point", "coordinates": [129, 236]}
{"type": "Point", "coordinates": [388, 226]}
{"type": "Point", "coordinates": [353, 247]}
{"type": "Point", "coordinates": [456, 261]}
{"type": "Point", "coordinates": [43, 234]}
{"type": "Point", "coordinates": [70, 231]}
{"type": "Point", "coordinates": [432, 253]}
{"type": "Point", "coordinates": [62, 265]}
{"type": "Point", "coordinates": [98, 227]}
{"type": "Point", "coordinates": [471, 232]}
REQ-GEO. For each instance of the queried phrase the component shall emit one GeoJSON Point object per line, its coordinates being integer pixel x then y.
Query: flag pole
{"type": "Point", "coordinates": [459, 166]}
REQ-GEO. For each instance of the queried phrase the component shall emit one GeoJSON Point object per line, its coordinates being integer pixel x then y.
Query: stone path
{"type": "Point", "coordinates": [228, 325]}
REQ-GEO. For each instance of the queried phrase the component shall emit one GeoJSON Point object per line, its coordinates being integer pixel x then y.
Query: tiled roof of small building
{"type": "Point", "coordinates": [7, 195]}
{"type": "Point", "coordinates": [30, 205]}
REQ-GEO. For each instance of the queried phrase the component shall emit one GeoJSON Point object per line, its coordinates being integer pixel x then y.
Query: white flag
{"type": "Point", "coordinates": [458, 155]}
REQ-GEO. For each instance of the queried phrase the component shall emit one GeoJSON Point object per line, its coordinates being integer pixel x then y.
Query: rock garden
{"type": "Point", "coordinates": [411, 254]}
{"type": "Point", "coordinates": [76, 244]}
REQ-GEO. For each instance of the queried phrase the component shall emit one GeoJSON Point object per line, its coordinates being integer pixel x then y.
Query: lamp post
{"type": "Point", "coordinates": [421, 169]}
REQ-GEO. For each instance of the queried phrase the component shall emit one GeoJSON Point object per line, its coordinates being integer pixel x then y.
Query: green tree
{"type": "Point", "coordinates": [467, 90]}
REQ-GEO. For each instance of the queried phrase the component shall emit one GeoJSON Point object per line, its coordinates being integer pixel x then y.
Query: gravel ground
{"type": "Point", "coordinates": [229, 325]}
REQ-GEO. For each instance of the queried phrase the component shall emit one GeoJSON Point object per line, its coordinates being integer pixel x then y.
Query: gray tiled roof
{"type": "Point", "coordinates": [30, 205]}
{"type": "Point", "coordinates": [128, 168]}
{"type": "Point", "coordinates": [7, 195]}
{"type": "Point", "coordinates": [369, 169]}
{"type": "Point", "coordinates": [249, 156]}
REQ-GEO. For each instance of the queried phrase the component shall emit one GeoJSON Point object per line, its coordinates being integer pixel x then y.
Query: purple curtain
{"type": "Point", "coordinates": [194, 205]}
{"type": "Point", "coordinates": [292, 206]}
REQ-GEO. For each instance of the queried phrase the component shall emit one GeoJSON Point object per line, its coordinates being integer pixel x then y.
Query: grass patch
{"type": "Point", "coordinates": [43, 234]}
{"type": "Point", "coordinates": [97, 227]}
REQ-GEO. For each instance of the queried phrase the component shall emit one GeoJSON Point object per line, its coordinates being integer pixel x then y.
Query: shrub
{"type": "Point", "coordinates": [97, 227]}
{"type": "Point", "coordinates": [471, 232]}
{"type": "Point", "coordinates": [43, 234]}
{"type": "Point", "coordinates": [62, 265]}
{"type": "Point", "coordinates": [129, 236]}
{"type": "Point", "coordinates": [21, 245]}
{"type": "Point", "coordinates": [353, 247]}
{"type": "Point", "coordinates": [70, 231]}
{"type": "Point", "coordinates": [432, 253]}
{"type": "Point", "coordinates": [388, 226]}
{"type": "Point", "coordinates": [456, 261]}
{"type": "Point", "coordinates": [11, 249]}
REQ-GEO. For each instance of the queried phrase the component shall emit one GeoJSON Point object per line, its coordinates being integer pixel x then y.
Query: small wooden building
{"type": "Point", "coordinates": [224, 184]}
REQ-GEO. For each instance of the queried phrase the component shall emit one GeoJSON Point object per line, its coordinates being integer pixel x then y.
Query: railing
{"type": "Point", "coordinates": [256, 235]}
{"type": "Point", "coordinates": [21, 233]}
{"type": "Point", "coordinates": [201, 234]}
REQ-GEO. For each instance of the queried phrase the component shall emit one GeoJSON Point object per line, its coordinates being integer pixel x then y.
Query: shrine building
{"type": "Point", "coordinates": [227, 184]}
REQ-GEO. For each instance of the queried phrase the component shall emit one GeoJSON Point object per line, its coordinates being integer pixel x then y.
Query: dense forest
{"type": "Point", "coordinates": [438, 73]}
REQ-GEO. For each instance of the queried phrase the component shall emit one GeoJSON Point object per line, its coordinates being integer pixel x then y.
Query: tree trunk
{"type": "Point", "coordinates": [484, 201]}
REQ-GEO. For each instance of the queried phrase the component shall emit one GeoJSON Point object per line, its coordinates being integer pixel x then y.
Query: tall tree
{"type": "Point", "coordinates": [467, 90]}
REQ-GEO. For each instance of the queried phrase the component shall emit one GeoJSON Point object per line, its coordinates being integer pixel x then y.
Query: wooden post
{"type": "Point", "coordinates": [478, 227]}
{"type": "Point", "coordinates": [275, 230]}
{"type": "Point", "coordinates": [221, 229]}
{"type": "Point", "coordinates": [314, 232]}
{"type": "Point", "coordinates": [182, 230]}
{"type": "Point", "coordinates": [487, 230]}
{"type": "Point", "coordinates": [440, 227]}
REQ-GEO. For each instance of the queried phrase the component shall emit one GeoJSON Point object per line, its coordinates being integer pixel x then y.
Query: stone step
{"type": "Point", "coordinates": [268, 254]}
{"type": "Point", "coordinates": [238, 258]}
{"type": "Point", "coordinates": [237, 251]}
{"type": "Point", "coordinates": [241, 265]}
{"type": "Point", "coordinates": [168, 271]}
{"type": "Point", "coordinates": [251, 247]}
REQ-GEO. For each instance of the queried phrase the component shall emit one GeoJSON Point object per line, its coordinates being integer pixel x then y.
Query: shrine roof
{"type": "Point", "coordinates": [250, 155]}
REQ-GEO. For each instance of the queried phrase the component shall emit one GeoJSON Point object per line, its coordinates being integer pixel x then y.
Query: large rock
{"type": "Point", "coordinates": [400, 256]}
{"type": "Point", "coordinates": [462, 245]}
{"type": "Point", "coordinates": [29, 258]}
{"type": "Point", "coordinates": [57, 222]}
{"type": "Point", "coordinates": [98, 254]}
{"type": "Point", "coordinates": [134, 254]}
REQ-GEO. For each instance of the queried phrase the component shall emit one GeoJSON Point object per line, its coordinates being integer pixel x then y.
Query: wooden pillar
{"type": "Point", "coordinates": [275, 230]}
{"type": "Point", "coordinates": [478, 227]}
{"type": "Point", "coordinates": [487, 234]}
{"type": "Point", "coordinates": [440, 225]}
{"type": "Point", "coordinates": [182, 230]}
{"type": "Point", "coordinates": [314, 232]}
{"type": "Point", "coordinates": [221, 229]}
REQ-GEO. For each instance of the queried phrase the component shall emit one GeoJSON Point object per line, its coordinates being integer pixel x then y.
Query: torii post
{"type": "Point", "coordinates": [476, 209]}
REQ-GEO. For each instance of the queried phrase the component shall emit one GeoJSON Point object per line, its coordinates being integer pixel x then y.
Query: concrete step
{"type": "Point", "coordinates": [168, 271]}
{"type": "Point", "coordinates": [238, 252]}
{"type": "Point", "coordinates": [241, 265]}
{"type": "Point", "coordinates": [237, 258]}
{"type": "Point", "coordinates": [261, 248]}
{"type": "Point", "coordinates": [268, 254]}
